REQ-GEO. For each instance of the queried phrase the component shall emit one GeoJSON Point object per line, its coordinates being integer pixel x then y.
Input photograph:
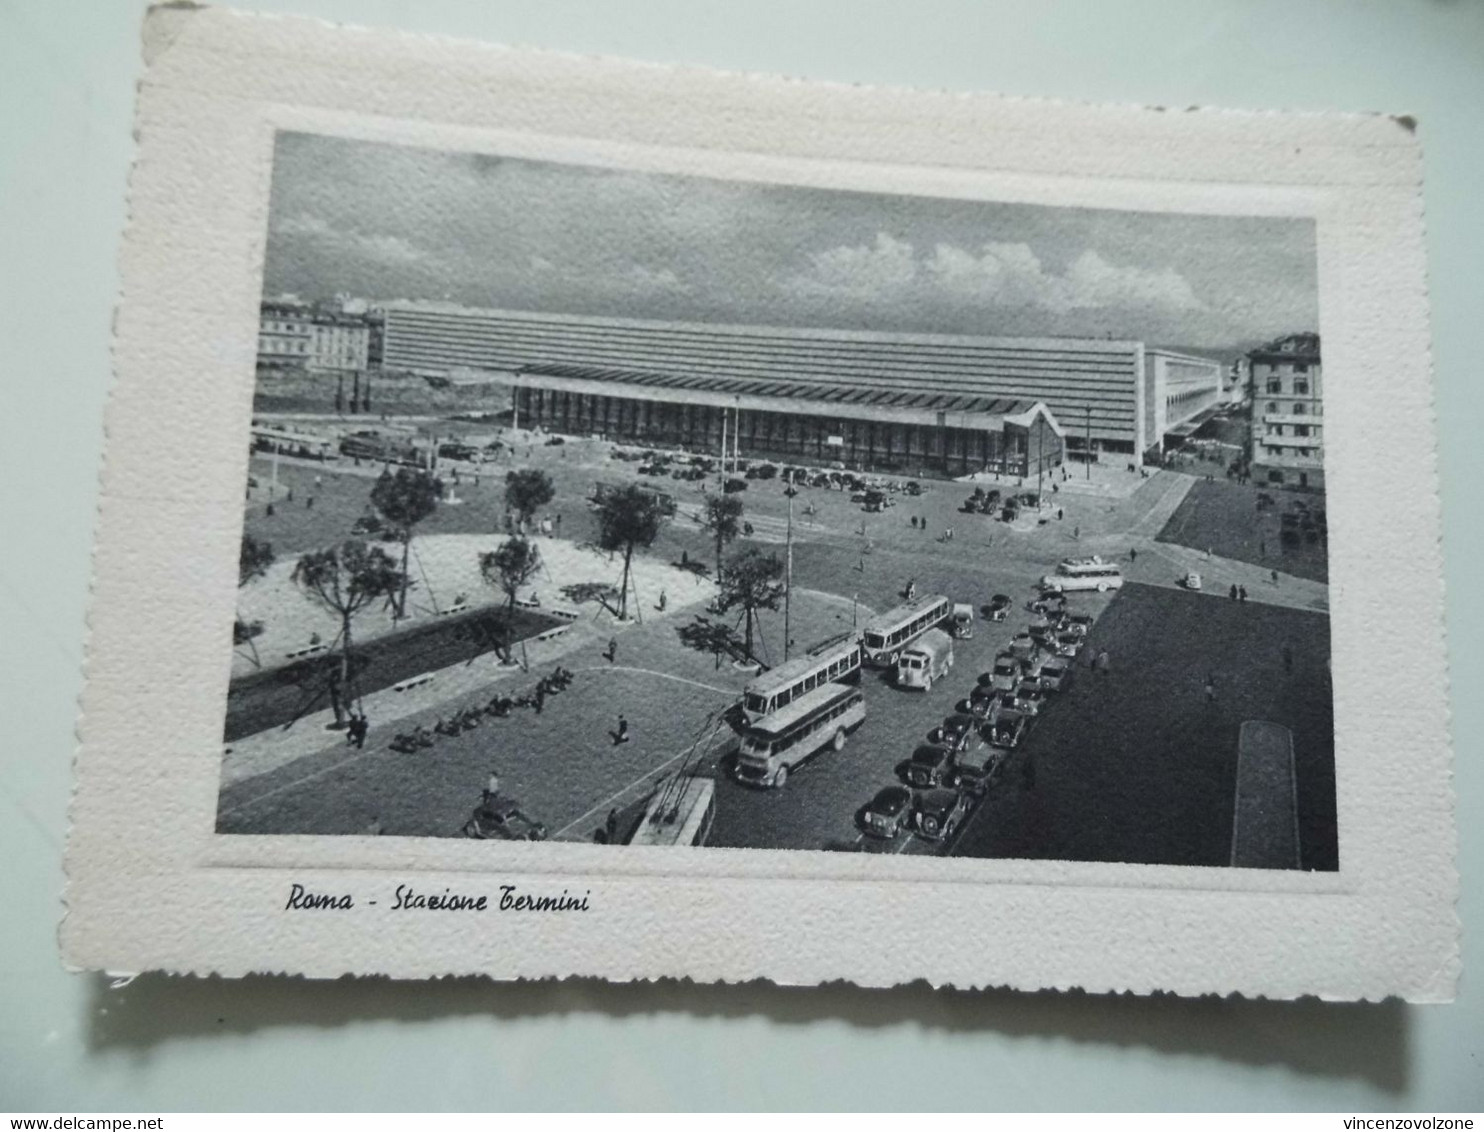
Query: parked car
{"type": "Point", "coordinates": [931, 765]}
{"type": "Point", "coordinates": [976, 771]}
{"type": "Point", "coordinates": [963, 621]}
{"type": "Point", "coordinates": [1005, 674]}
{"type": "Point", "coordinates": [1080, 623]}
{"type": "Point", "coordinates": [1029, 696]}
{"type": "Point", "coordinates": [1023, 645]}
{"type": "Point", "coordinates": [937, 813]}
{"type": "Point", "coordinates": [1191, 581]}
{"type": "Point", "coordinates": [983, 703]}
{"type": "Point", "coordinates": [1068, 643]}
{"type": "Point", "coordinates": [501, 819]}
{"type": "Point", "coordinates": [912, 487]}
{"type": "Point", "coordinates": [1009, 729]}
{"type": "Point", "coordinates": [1056, 674]}
{"type": "Point", "coordinates": [885, 814]}
{"type": "Point", "coordinates": [998, 608]}
{"type": "Point", "coordinates": [1048, 604]}
{"type": "Point", "coordinates": [956, 732]}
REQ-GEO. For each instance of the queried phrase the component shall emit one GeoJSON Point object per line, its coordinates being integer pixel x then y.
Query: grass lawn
{"type": "Point", "coordinates": [1222, 517]}
{"type": "Point", "coordinates": [1136, 766]}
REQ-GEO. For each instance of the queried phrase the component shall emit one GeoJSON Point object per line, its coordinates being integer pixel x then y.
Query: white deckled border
{"type": "Point", "coordinates": [150, 885]}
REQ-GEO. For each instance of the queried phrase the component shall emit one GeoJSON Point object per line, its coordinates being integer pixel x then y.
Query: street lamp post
{"type": "Point", "coordinates": [788, 570]}
{"type": "Point", "coordinates": [1087, 442]}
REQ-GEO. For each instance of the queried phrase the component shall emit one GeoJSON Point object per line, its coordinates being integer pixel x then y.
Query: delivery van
{"type": "Point", "coordinates": [925, 660]}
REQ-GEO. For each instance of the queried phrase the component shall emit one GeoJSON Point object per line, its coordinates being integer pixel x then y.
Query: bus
{"type": "Point", "coordinates": [776, 744]}
{"type": "Point", "coordinates": [836, 661]}
{"type": "Point", "coordinates": [1265, 815]}
{"type": "Point", "coordinates": [1083, 574]}
{"type": "Point", "coordinates": [680, 812]}
{"type": "Point", "coordinates": [374, 446]}
{"type": "Point", "coordinates": [888, 634]}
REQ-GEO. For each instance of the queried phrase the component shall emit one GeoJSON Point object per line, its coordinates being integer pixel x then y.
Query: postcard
{"type": "Point", "coordinates": [707, 525]}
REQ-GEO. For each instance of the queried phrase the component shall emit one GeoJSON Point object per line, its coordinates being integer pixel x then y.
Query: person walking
{"type": "Point", "coordinates": [1274, 576]}
{"type": "Point", "coordinates": [664, 600]}
{"type": "Point", "coordinates": [540, 696]}
{"type": "Point", "coordinates": [1077, 532]}
{"type": "Point", "coordinates": [1234, 591]}
{"type": "Point", "coordinates": [1133, 554]}
{"type": "Point", "coordinates": [1241, 593]}
{"type": "Point", "coordinates": [610, 826]}
{"type": "Point", "coordinates": [492, 785]}
{"type": "Point", "coordinates": [1288, 658]}
{"type": "Point", "coordinates": [612, 653]}
{"type": "Point", "coordinates": [1262, 548]}
{"type": "Point", "coordinates": [1102, 662]}
{"type": "Point", "coordinates": [1210, 687]}
{"type": "Point", "coordinates": [622, 734]}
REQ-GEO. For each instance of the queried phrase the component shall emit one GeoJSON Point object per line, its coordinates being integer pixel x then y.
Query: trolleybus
{"type": "Point", "coordinates": [776, 744]}
{"type": "Point", "coordinates": [887, 635]}
{"type": "Point", "coordinates": [837, 660]}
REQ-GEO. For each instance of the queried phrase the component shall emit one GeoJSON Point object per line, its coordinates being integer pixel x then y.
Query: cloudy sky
{"type": "Point", "coordinates": [389, 222]}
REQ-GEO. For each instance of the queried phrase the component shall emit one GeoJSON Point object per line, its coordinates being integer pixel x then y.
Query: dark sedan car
{"type": "Point", "coordinates": [957, 732]}
{"type": "Point", "coordinates": [886, 814]}
{"type": "Point", "coordinates": [931, 765]}
{"type": "Point", "coordinates": [938, 813]}
{"type": "Point", "coordinates": [998, 607]}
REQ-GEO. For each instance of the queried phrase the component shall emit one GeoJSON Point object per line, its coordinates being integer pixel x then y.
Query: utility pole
{"type": "Point", "coordinates": [1087, 446]}
{"type": "Point", "coordinates": [788, 570]}
{"type": "Point", "coordinates": [721, 477]}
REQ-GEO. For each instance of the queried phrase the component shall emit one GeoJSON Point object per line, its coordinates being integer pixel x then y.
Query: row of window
{"type": "Point", "coordinates": [1298, 430]}
{"type": "Point", "coordinates": [1297, 409]}
{"type": "Point", "coordinates": [1274, 450]}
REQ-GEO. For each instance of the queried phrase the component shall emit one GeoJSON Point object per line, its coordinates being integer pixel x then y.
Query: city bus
{"type": "Point", "coordinates": [1083, 574]}
{"type": "Point", "coordinates": [776, 744]}
{"type": "Point", "coordinates": [889, 633]}
{"type": "Point", "coordinates": [836, 661]}
{"type": "Point", "coordinates": [1265, 815]}
{"type": "Point", "coordinates": [680, 813]}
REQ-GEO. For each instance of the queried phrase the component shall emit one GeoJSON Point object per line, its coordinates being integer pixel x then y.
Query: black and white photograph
{"type": "Point", "coordinates": [626, 507]}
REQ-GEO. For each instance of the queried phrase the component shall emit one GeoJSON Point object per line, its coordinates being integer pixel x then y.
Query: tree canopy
{"type": "Point", "coordinates": [253, 560]}
{"type": "Point", "coordinates": [627, 518]}
{"type": "Point", "coordinates": [754, 582]}
{"type": "Point", "coordinates": [406, 497]}
{"type": "Point", "coordinates": [527, 490]}
{"type": "Point", "coordinates": [724, 520]}
{"type": "Point", "coordinates": [510, 566]}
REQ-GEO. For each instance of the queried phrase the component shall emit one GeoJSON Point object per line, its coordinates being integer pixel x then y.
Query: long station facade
{"type": "Point", "coordinates": [929, 404]}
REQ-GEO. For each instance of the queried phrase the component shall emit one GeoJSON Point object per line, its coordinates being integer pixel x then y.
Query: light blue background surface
{"type": "Point", "coordinates": [69, 1043]}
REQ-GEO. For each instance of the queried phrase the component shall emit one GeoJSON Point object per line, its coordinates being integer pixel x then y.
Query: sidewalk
{"type": "Point", "coordinates": [265, 751]}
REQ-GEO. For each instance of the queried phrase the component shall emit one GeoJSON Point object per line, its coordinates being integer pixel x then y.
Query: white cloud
{"type": "Point", "coordinates": [653, 279]}
{"type": "Point", "coordinates": [864, 271]}
{"type": "Point", "coordinates": [382, 249]}
{"type": "Point", "coordinates": [997, 275]}
{"type": "Point", "coordinates": [387, 249]}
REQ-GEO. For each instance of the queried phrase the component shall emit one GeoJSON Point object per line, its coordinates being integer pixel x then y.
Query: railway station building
{"type": "Point", "coordinates": [925, 404]}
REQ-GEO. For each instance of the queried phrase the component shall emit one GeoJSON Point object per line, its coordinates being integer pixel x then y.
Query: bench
{"type": "Point", "coordinates": [455, 609]}
{"type": "Point", "coordinates": [308, 650]}
{"type": "Point", "coordinates": [414, 682]}
{"type": "Point", "coordinates": [554, 631]}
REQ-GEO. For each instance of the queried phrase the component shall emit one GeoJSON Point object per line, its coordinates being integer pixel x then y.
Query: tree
{"type": "Point", "coordinates": [527, 490]}
{"type": "Point", "coordinates": [345, 579]}
{"type": "Point", "coordinates": [404, 499]}
{"type": "Point", "coordinates": [511, 566]}
{"type": "Point", "coordinates": [724, 520]}
{"type": "Point", "coordinates": [627, 518]}
{"type": "Point", "coordinates": [253, 561]}
{"type": "Point", "coordinates": [754, 581]}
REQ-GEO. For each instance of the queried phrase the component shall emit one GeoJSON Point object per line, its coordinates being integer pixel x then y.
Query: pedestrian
{"type": "Point", "coordinates": [622, 734]}
{"type": "Point", "coordinates": [911, 590]}
{"type": "Point", "coordinates": [913, 520]}
{"type": "Point", "coordinates": [1055, 488]}
{"type": "Point", "coordinates": [1287, 658]}
{"type": "Point", "coordinates": [1262, 548]}
{"type": "Point", "coordinates": [289, 498]}
{"type": "Point", "coordinates": [684, 560]}
{"type": "Point", "coordinates": [1133, 554]}
{"type": "Point", "coordinates": [664, 601]}
{"type": "Point", "coordinates": [559, 522]}
{"type": "Point", "coordinates": [610, 826]}
{"type": "Point", "coordinates": [1060, 514]}
{"type": "Point", "coordinates": [492, 785]}
{"type": "Point", "coordinates": [1210, 686]}
{"type": "Point", "coordinates": [309, 503]}
{"type": "Point", "coordinates": [612, 653]}
{"type": "Point", "coordinates": [1103, 662]}
{"type": "Point", "coordinates": [1234, 591]}
{"type": "Point", "coordinates": [1208, 554]}
{"type": "Point", "coordinates": [1274, 576]}
{"type": "Point", "coordinates": [540, 696]}
{"type": "Point", "coordinates": [374, 829]}
{"type": "Point", "coordinates": [1241, 593]}
{"type": "Point", "coordinates": [1077, 532]}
